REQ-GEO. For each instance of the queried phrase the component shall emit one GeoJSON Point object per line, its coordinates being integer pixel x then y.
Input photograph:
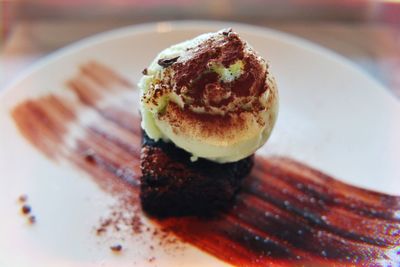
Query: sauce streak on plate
{"type": "Point", "coordinates": [286, 213]}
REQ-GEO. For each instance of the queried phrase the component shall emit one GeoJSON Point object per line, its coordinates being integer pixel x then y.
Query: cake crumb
{"type": "Point", "coordinates": [116, 248]}
{"type": "Point", "coordinates": [32, 219]}
{"type": "Point", "coordinates": [22, 198]}
{"type": "Point", "coordinates": [90, 156]}
{"type": "Point", "coordinates": [26, 209]}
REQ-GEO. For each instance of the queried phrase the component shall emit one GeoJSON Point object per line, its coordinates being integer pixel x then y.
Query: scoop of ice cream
{"type": "Point", "coordinates": [212, 96]}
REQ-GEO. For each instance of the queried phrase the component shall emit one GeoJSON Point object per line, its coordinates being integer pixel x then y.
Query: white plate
{"type": "Point", "coordinates": [332, 116]}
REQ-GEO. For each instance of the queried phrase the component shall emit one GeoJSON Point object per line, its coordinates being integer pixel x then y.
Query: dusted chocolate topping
{"type": "Point", "coordinates": [193, 76]}
{"type": "Point", "coordinates": [197, 80]}
{"type": "Point", "coordinates": [224, 49]}
{"type": "Point", "coordinates": [223, 126]}
{"type": "Point", "coordinates": [212, 96]}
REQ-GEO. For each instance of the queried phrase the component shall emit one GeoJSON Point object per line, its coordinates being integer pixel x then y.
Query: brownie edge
{"type": "Point", "coordinates": [173, 185]}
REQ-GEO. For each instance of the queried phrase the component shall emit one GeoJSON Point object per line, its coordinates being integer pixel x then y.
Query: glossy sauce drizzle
{"type": "Point", "coordinates": [286, 213]}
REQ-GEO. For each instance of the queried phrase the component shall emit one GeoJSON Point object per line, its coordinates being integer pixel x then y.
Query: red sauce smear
{"type": "Point", "coordinates": [286, 213]}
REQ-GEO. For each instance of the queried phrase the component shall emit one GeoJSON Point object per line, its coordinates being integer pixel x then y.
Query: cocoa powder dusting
{"type": "Point", "coordinates": [194, 75]}
{"type": "Point", "coordinates": [223, 126]}
{"type": "Point", "coordinates": [125, 214]}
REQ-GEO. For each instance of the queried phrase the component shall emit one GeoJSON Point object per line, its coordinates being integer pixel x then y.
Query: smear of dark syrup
{"type": "Point", "coordinates": [286, 213]}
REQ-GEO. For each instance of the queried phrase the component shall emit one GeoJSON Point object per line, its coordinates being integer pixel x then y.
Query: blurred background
{"type": "Point", "coordinates": [365, 31]}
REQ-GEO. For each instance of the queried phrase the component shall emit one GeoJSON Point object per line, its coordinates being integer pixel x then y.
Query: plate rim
{"type": "Point", "coordinates": [170, 26]}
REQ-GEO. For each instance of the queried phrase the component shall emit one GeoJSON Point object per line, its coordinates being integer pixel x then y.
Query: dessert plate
{"type": "Point", "coordinates": [332, 117]}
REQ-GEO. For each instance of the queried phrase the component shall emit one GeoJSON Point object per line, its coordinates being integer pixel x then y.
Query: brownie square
{"type": "Point", "coordinates": [173, 185]}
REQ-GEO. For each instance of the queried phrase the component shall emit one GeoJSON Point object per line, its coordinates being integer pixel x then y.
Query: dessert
{"type": "Point", "coordinates": [207, 105]}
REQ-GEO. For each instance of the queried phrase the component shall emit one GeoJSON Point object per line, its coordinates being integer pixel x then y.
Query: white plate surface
{"type": "Point", "coordinates": [332, 117]}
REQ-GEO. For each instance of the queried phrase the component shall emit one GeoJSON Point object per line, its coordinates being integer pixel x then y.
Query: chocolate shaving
{"type": "Point", "coordinates": [227, 31]}
{"type": "Point", "coordinates": [144, 72]}
{"type": "Point", "coordinates": [164, 62]}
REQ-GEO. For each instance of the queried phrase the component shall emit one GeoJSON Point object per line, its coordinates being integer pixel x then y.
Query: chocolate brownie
{"type": "Point", "coordinates": [173, 185]}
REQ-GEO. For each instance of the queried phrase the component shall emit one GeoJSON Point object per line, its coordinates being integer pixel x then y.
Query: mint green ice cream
{"type": "Point", "coordinates": [212, 96]}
